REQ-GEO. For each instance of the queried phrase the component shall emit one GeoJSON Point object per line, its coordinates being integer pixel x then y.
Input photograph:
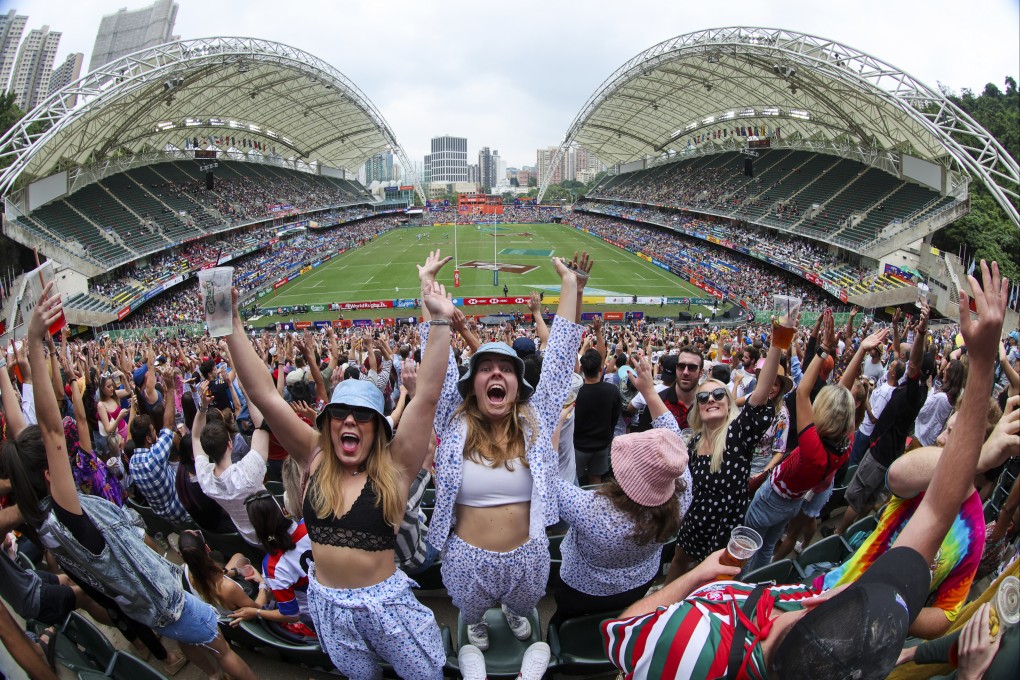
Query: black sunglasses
{"type": "Point", "coordinates": [340, 412]}
{"type": "Point", "coordinates": [718, 394]}
{"type": "Point", "coordinates": [693, 368]}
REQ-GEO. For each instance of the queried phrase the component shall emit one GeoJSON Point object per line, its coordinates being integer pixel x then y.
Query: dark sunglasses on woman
{"type": "Point", "coordinates": [340, 412]}
{"type": "Point", "coordinates": [718, 394]}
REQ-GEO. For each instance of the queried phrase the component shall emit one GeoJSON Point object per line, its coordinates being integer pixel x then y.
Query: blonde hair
{"type": "Point", "coordinates": [324, 488]}
{"type": "Point", "coordinates": [716, 438]}
{"type": "Point", "coordinates": [834, 411]}
{"type": "Point", "coordinates": [496, 443]}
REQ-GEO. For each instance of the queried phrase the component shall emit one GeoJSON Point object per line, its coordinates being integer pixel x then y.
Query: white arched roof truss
{"type": "Point", "coordinates": [825, 96]}
{"type": "Point", "coordinates": [301, 110]}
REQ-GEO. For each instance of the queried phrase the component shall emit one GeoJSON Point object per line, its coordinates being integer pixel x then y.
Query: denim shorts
{"type": "Point", "coordinates": [196, 626]}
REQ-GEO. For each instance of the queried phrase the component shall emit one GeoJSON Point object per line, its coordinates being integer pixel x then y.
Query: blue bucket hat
{"type": "Point", "coordinates": [499, 349]}
{"type": "Point", "coordinates": [360, 394]}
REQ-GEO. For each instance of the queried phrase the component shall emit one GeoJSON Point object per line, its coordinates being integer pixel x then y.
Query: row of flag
{"type": "Point", "coordinates": [1013, 300]}
{"type": "Point", "coordinates": [742, 131]}
{"type": "Point", "coordinates": [228, 140]}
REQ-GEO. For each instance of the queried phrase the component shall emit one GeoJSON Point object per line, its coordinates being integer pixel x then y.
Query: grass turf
{"type": "Point", "coordinates": [385, 269]}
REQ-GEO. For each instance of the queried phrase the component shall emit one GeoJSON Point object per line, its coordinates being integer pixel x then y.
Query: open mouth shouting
{"type": "Point", "coordinates": [496, 394]}
{"type": "Point", "coordinates": [349, 442]}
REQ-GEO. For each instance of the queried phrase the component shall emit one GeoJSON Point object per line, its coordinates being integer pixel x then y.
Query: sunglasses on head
{"type": "Point", "coordinates": [718, 394]}
{"type": "Point", "coordinates": [258, 495]}
{"type": "Point", "coordinates": [340, 412]}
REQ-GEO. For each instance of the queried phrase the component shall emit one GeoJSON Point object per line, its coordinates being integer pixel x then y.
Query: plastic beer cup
{"type": "Point", "coordinates": [743, 544]}
{"type": "Point", "coordinates": [783, 328]}
{"type": "Point", "coordinates": [214, 289]}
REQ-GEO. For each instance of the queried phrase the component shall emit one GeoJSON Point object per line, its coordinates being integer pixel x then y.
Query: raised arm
{"type": "Point", "coordinates": [917, 349]}
{"type": "Point", "coordinates": [541, 329]}
{"type": "Point", "coordinates": [62, 487]}
{"type": "Point", "coordinates": [853, 369]}
{"type": "Point", "coordinates": [84, 432]}
{"type": "Point", "coordinates": [297, 437]}
{"type": "Point", "coordinates": [767, 377]}
{"type": "Point", "coordinates": [912, 472]}
{"type": "Point", "coordinates": [646, 386]}
{"type": "Point", "coordinates": [953, 479]}
{"type": "Point", "coordinates": [805, 413]}
{"type": "Point", "coordinates": [567, 307]}
{"type": "Point", "coordinates": [410, 445]}
{"type": "Point", "coordinates": [12, 404]}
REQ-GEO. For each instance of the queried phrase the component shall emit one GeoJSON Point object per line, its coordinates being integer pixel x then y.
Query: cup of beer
{"type": "Point", "coordinates": [244, 568]}
{"type": "Point", "coordinates": [214, 289]}
{"type": "Point", "coordinates": [784, 326]}
{"type": "Point", "coordinates": [743, 544]}
{"type": "Point", "coordinates": [922, 294]}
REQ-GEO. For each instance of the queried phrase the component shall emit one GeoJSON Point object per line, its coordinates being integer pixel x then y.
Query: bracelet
{"type": "Point", "coordinates": [258, 613]}
{"type": "Point", "coordinates": [263, 586]}
{"type": "Point", "coordinates": [441, 322]}
{"type": "Point", "coordinates": [203, 409]}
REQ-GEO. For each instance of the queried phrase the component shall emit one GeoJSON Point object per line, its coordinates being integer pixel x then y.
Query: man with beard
{"type": "Point", "coordinates": [681, 374]}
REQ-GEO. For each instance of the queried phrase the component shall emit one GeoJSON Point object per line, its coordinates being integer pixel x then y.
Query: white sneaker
{"type": "Point", "coordinates": [535, 662]}
{"type": "Point", "coordinates": [472, 663]}
{"type": "Point", "coordinates": [799, 547]}
{"type": "Point", "coordinates": [478, 635]}
{"type": "Point", "coordinates": [519, 625]}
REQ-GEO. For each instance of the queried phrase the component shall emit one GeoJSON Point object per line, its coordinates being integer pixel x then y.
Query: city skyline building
{"type": "Point", "coordinates": [30, 79]}
{"type": "Point", "coordinates": [127, 31]}
{"type": "Point", "coordinates": [12, 27]}
{"type": "Point", "coordinates": [448, 160]}
{"type": "Point", "coordinates": [65, 74]}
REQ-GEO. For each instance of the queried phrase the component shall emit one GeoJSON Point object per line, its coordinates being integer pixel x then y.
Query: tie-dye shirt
{"type": "Point", "coordinates": [954, 566]}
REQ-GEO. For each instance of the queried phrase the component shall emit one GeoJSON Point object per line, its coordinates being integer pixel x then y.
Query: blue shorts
{"type": "Point", "coordinates": [197, 624]}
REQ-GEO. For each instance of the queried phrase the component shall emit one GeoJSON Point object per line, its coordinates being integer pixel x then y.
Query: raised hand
{"type": "Point", "coordinates": [982, 335]}
{"type": "Point", "coordinates": [643, 380]}
{"type": "Point", "coordinates": [47, 310]}
{"type": "Point", "coordinates": [204, 395]}
{"type": "Point", "coordinates": [876, 339]}
{"type": "Point", "coordinates": [534, 302]}
{"type": "Point", "coordinates": [409, 376]}
{"type": "Point", "coordinates": [436, 300]}
{"type": "Point", "coordinates": [433, 263]}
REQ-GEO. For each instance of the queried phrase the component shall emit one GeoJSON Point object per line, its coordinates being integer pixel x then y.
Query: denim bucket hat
{"type": "Point", "coordinates": [359, 394]}
{"type": "Point", "coordinates": [499, 349]}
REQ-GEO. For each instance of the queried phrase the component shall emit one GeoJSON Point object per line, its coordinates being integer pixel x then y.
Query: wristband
{"type": "Point", "coordinates": [264, 426]}
{"type": "Point", "coordinates": [203, 409]}
{"type": "Point", "coordinates": [263, 586]}
{"type": "Point", "coordinates": [258, 613]}
{"type": "Point", "coordinates": [441, 322]}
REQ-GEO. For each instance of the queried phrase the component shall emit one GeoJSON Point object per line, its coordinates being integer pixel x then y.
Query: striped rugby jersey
{"type": "Point", "coordinates": [692, 638]}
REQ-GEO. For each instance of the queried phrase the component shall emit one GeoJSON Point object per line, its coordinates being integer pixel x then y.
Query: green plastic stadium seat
{"type": "Point", "coordinates": [305, 654]}
{"type": "Point", "coordinates": [866, 524]}
{"type": "Point", "coordinates": [783, 572]}
{"type": "Point", "coordinates": [503, 657]}
{"type": "Point", "coordinates": [228, 544]}
{"type": "Point", "coordinates": [577, 645]}
{"type": "Point", "coordinates": [81, 646]}
{"type": "Point", "coordinates": [832, 550]}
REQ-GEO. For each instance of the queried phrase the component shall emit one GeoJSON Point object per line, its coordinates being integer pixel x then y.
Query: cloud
{"type": "Point", "coordinates": [512, 76]}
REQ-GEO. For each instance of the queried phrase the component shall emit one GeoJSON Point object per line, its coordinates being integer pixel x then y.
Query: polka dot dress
{"type": "Point", "coordinates": [720, 498]}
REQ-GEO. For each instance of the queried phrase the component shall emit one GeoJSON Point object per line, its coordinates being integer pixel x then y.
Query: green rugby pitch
{"type": "Point", "coordinates": [385, 269]}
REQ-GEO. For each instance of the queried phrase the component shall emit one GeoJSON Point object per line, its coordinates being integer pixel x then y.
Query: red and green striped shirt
{"type": "Point", "coordinates": [692, 638]}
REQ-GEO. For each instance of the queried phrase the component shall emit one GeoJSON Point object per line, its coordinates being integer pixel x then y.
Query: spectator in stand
{"type": "Point", "coordinates": [597, 409]}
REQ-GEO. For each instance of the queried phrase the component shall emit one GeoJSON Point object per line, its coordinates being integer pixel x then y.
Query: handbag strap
{"type": "Point", "coordinates": [737, 645]}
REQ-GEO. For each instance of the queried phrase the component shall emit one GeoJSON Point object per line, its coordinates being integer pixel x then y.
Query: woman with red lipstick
{"type": "Point", "coordinates": [359, 475]}
{"type": "Point", "coordinates": [495, 466]}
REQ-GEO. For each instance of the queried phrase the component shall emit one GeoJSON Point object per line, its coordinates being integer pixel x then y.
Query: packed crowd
{"type": "Point", "coordinates": [523, 214]}
{"type": "Point", "coordinates": [781, 246]}
{"type": "Point", "coordinates": [180, 306]}
{"type": "Point", "coordinates": [742, 276]}
{"type": "Point", "coordinates": [729, 443]}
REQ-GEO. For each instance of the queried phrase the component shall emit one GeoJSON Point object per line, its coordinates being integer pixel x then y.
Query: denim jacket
{"type": "Point", "coordinates": [147, 587]}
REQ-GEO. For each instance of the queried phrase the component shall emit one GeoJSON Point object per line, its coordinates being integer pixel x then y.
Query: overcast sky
{"type": "Point", "coordinates": [512, 75]}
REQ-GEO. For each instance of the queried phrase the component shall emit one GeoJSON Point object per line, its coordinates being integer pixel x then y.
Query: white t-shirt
{"type": "Point", "coordinates": [237, 482]}
{"type": "Point", "coordinates": [879, 398]}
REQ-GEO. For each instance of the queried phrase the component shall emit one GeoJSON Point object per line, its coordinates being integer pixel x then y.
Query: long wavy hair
{"type": "Point", "coordinates": [497, 443]}
{"type": "Point", "coordinates": [203, 572]}
{"type": "Point", "coordinates": [324, 486]}
{"type": "Point", "coordinates": [25, 464]}
{"type": "Point", "coordinates": [716, 438]}
{"type": "Point", "coordinates": [954, 380]}
{"type": "Point", "coordinates": [651, 524]}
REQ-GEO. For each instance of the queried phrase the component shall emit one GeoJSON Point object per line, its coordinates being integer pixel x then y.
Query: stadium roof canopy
{"type": "Point", "coordinates": [248, 98]}
{"type": "Point", "coordinates": [819, 95]}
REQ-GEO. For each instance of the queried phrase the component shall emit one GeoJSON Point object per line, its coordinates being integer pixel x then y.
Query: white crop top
{"type": "Point", "coordinates": [486, 487]}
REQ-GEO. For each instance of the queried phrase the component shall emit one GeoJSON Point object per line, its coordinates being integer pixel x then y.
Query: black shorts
{"type": "Point", "coordinates": [56, 601]}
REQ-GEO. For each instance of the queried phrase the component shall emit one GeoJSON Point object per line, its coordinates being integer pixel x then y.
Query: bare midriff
{"type": "Point", "coordinates": [500, 528]}
{"type": "Point", "coordinates": [340, 567]}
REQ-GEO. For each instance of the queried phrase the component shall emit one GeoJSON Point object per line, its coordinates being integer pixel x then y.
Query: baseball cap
{"type": "Point", "coordinates": [668, 365]}
{"type": "Point", "coordinates": [139, 374]}
{"type": "Point", "coordinates": [524, 347]}
{"type": "Point", "coordinates": [859, 632]}
{"type": "Point", "coordinates": [500, 349]}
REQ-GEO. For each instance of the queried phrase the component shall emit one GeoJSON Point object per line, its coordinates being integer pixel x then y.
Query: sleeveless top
{"type": "Point", "coordinates": [485, 486]}
{"type": "Point", "coordinates": [362, 527]}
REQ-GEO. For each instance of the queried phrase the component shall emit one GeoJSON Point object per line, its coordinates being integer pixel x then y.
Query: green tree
{"type": "Point", "coordinates": [986, 232]}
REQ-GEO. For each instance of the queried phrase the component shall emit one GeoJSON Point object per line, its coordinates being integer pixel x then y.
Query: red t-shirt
{"type": "Point", "coordinates": [809, 466]}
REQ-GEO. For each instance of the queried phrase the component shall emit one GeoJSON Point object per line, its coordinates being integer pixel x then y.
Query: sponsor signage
{"type": "Point", "coordinates": [590, 316]}
{"type": "Point", "coordinates": [497, 301]}
{"type": "Point", "coordinates": [613, 316]}
{"type": "Point", "coordinates": [372, 304]}
{"type": "Point", "coordinates": [123, 313]}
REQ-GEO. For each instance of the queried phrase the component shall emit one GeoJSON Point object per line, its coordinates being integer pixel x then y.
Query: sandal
{"type": "Point", "coordinates": [48, 644]}
{"type": "Point", "coordinates": [174, 668]}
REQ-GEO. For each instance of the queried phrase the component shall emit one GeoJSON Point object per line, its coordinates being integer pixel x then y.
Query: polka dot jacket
{"type": "Point", "coordinates": [547, 401]}
{"type": "Point", "coordinates": [599, 556]}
